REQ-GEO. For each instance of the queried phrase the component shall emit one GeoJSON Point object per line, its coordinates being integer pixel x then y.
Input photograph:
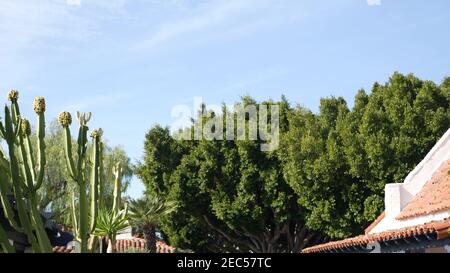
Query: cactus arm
{"type": "Point", "coordinates": [74, 215]}
{"type": "Point", "coordinates": [30, 157]}
{"type": "Point", "coordinates": [80, 221]}
{"type": "Point", "coordinates": [15, 112]}
{"type": "Point", "coordinates": [41, 234]}
{"type": "Point", "coordinates": [7, 210]}
{"type": "Point", "coordinates": [4, 163]}
{"type": "Point", "coordinates": [23, 171]}
{"type": "Point", "coordinates": [33, 211]}
{"type": "Point", "coordinates": [26, 170]}
{"type": "Point", "coordinates": [21, 207]}
{"type": "Point", "coordinates": [82, 140]}
{"type": "Point", "coordinates": [18, 174]}
{"type": "Point", "coordinates": [83, 222]}
{"type": "Point", "coordinates": [41, 150]}
{"type": "Point", "coordinates": [2, 130]}
{"type": "Point", "coordinates": [17, 181]}
{"type": "Point", "coordinates": [11, 134]}
{"type": "Point", "coordinates": [101, 181]}
{"type": "Point", "coordinates": [25, 221]}
{"type": "Point", "coordinates": [94, 183]}
{"type": "Point", "coordinates": [68, 152]}
{"type": "Point", "coordinates": [117, 187]}
{"type": "Point", "coordinates": [17, 129]}
{"type": "Point", "coordinates": [87, 117]}
{"type": "Point", "coordinates": [4, 242]}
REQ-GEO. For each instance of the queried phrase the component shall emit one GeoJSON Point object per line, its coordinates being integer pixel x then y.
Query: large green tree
{"type": "Point", "coordinates": [232, 196]}
{"type": "Point", "coordinates": [339, 160]}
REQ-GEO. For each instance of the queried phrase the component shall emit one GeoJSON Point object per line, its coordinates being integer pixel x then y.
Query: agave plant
{"type": "Point", "coordinates": [146, 213]}
{"type": "Point", "coordinates": [109, 224]}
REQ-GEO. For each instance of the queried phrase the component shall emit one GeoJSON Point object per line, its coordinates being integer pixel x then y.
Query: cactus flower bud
{"type": "Point", "coordinates": [39, 105]}
{"type": "Point", "coordinates": [25, 127]}
{"type": "Point", "coordinates": [97, 133]}
{"type": "Point", "coordinates": [65, 119]}
{"type": "Point", "coordinates": [13, 95]}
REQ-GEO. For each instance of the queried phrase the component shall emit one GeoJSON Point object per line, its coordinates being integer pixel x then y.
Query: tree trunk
{"type": "Point", "coordinates": [149, 233]}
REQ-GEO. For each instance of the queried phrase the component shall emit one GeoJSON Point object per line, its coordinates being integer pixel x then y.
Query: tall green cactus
{"type": "Point", "coordinates": [95, 173]}
{"type": "Point", "coordinates": [22, 172]}
{"type": "Point", "coordinates": [21, 176]}
{"type": "Point", "coordinates": [101, 182]}
{"type": "Point", "coordinates": [4, 242]}
{"type": "Point", "coordinates": [117, 193]}
{"type": "Point", "coordinates": [78, 171]}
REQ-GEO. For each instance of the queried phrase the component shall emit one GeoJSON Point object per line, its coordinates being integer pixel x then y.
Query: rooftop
{"type": "Point", "coordinates": [436, 230]}
{"type": "Point", "coordinates": [434, 196]}
{"type": "Point", "coordinates": [417, 209]}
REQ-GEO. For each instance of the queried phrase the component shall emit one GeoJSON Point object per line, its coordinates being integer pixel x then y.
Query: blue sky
{"type": "Point", "coordinates": [130, 62]}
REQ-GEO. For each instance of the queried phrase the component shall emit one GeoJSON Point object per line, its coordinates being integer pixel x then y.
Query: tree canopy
{"type": "Point", "coordinates": [325, 181]}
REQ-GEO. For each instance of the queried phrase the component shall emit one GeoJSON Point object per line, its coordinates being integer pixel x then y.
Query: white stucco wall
{"type": "Point", "coordinates": [126, 234]}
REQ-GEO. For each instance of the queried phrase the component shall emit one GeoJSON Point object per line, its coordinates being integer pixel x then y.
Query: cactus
{"type": "Point", "coordinates": [4, 242]}
{"type": "Point", "coordinates": [117, 193]}
{"type": "Point", "coordinates": [22, 172]}
{"type": "Point", "coordinates": [96, 135]}
{"type": "Point", "coordinates": [21, 176]}
{"type": "Point", "coordinates": [77, 172]}
{"type": "Point", "coordinates": [83, 226]}
{"type": "Point", "coordinates": [101, 182]}
{"type": "Point", "coordinates": [74, 215]}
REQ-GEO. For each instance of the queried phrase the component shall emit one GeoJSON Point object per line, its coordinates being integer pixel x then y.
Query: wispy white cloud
{"type": "Point", "coordinates": [96, 102]}
{"type": "Point", "coordinates": [218, 16]}
{"type": "Point", "coordinates": [32, 29]}
{"type": "Point", "coordinates": [373, 2]}
{"type": "Point", "coordinates": [73, 2]}
{"type": "Point", "coordinates": [60, 23]}
{"type": "Point", "coordinates": [25, 23]}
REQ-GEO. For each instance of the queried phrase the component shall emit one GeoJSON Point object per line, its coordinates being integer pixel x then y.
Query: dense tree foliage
{"type": "Point", "coordinates": [326, 180]}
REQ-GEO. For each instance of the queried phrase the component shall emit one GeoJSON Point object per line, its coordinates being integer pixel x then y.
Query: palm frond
{"type": "Point", "coordinates": [150, 209]}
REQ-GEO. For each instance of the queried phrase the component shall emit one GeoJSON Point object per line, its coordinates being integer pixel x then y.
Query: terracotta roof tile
{"type": "Point", "coordinates": [62, 249]}
{"type": "Point", "coordinates": [162, 247]}
{"type": "Point", "coordinates": [375, 223]}
{"type": "Point", "coordinates": [124, 244]}
{"type": "Point", "coordinates": [434, 196]}
{"type": "Point", "coordinates": [439, 228]}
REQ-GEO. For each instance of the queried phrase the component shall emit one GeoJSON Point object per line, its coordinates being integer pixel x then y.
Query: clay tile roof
{"type": "Point", "coordinates": [136, 243]}
{"type": "Point", "coordinates": [62, 249]}
{"type": "Point", "coordinates": [438, 228]}
{"type": "Point", "coordinates": [375, 223]}
{"type": "Point", "coordinates": [434, 196]}
{"type": "Point", "coordinates": [162, 247]}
